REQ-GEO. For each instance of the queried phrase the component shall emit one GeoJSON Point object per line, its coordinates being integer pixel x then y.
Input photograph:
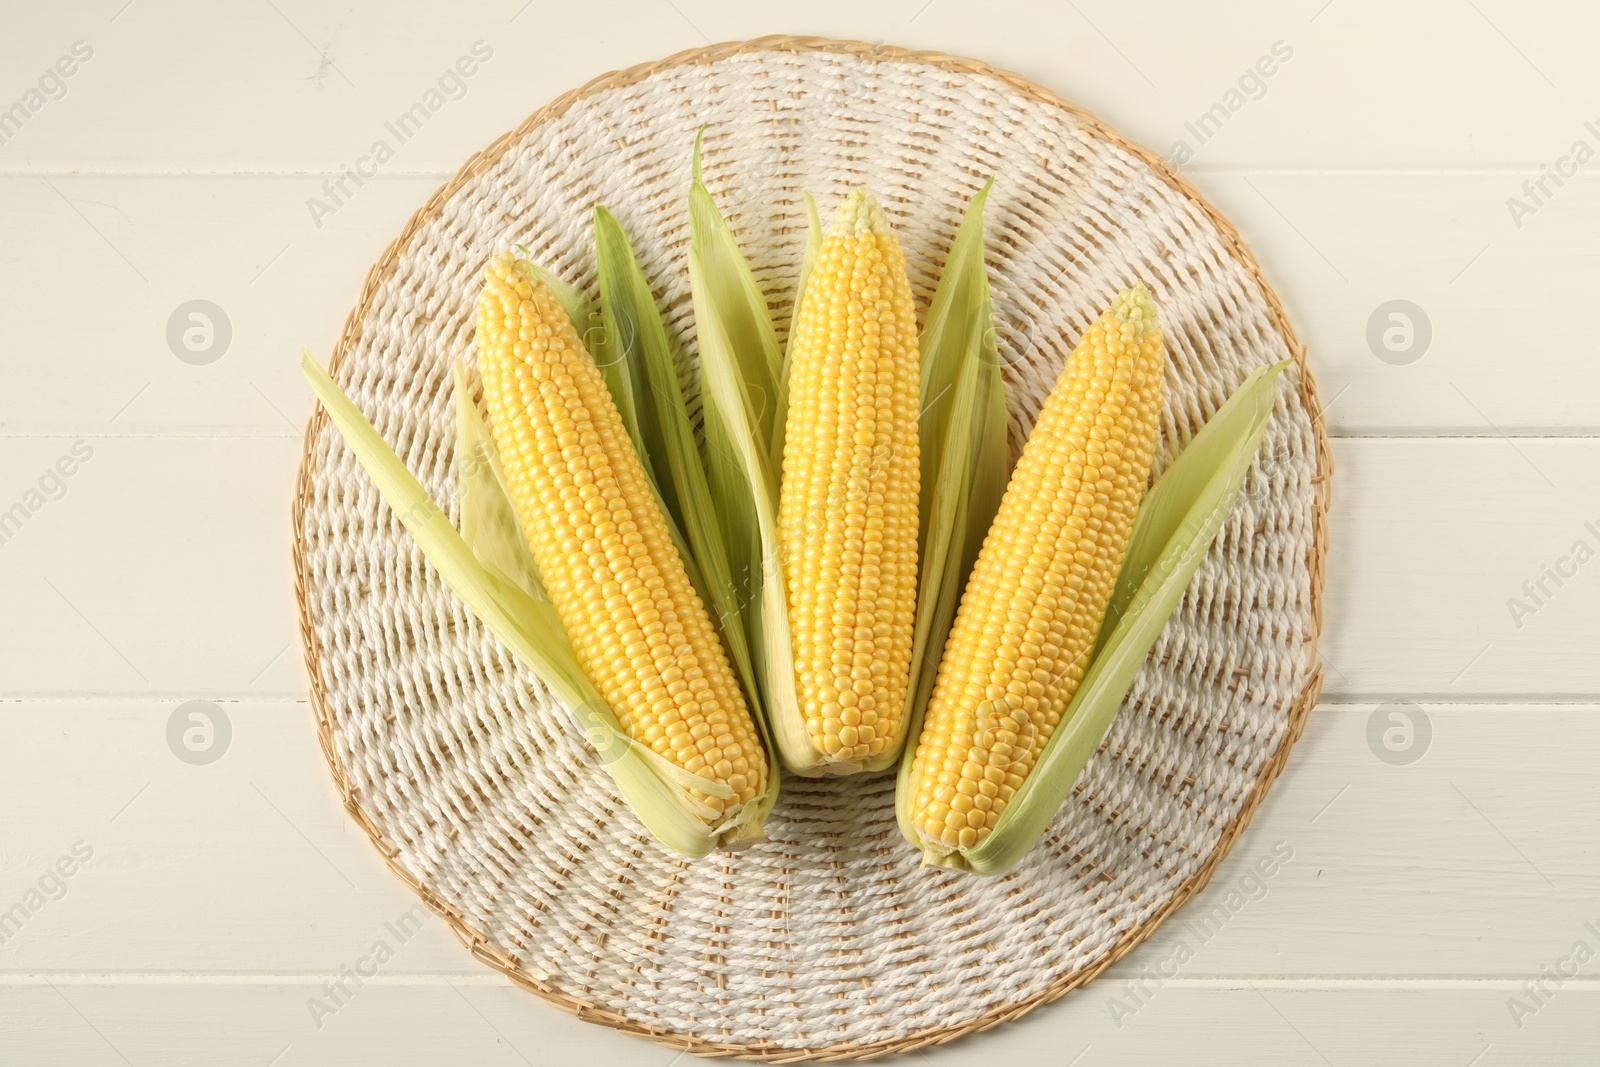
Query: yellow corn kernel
{"type": "Point", "coordinates": [847, 511]}
{"type": "Point", "coordinates": [1033, 605]}
{"type": "Point", "coordinates": [601, 544]}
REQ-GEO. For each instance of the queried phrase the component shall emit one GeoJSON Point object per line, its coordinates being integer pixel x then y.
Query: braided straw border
{"type": "Point", "coordinates": [477, 943]}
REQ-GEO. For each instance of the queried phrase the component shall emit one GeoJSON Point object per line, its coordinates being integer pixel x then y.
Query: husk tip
{"type": "Point", "coordinates": [699, 135]}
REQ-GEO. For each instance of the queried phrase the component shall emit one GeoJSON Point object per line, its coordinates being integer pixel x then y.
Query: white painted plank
{"type": "Point", "coordinates": [1490, 344]}
{"type": "Point", "coordinates": [93, 351]}
{"type": "Point", "coordinates": [304, 86]}
{"type": "Point", "coordinates": [161, 565]}
{"type": "Point", "coordinates": [1502, 357]}
{"type": "Point", "coordinates": [1466, 855]}
{"type": "Point", "coordinates": [1265, 1023]}
{"type": "Point", "coordinates": [165, 568]}
{"type": "Point", "coordinates": [1257, 1024]}
{"type": "Point", "coordinates": [262, 1024]}
{"type": "Point", "coordinates": [1474, 860]}
{"type": "Point", "coordinates": [246, 864]}
{"type": "Point", "coordinates": [1431, 539]}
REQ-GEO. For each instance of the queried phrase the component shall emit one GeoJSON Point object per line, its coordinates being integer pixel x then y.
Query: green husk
{"type": "Point", "coordinates": [962, 436]}
{"type": "Point", "coordinates": [1176, 524]}
{"type": "Point", "coordinates": [741, 370]}
{"type": "Point", "coordinates": [492, 588]}
{"type": "Point", "coordinates": [643, 357]}
{"type": "Point", "coordinates": [491, 530]}
{"type": "Point", "coordinates": [741, 309]}
{"type": "Point", "coordinates": [488, 523]}
{"type": "Point", "coordinates": [490, 527]}
{"type": "Point", "coordinates": [963, 447]}
{"type": "Point", "coordinates": [640, 366]}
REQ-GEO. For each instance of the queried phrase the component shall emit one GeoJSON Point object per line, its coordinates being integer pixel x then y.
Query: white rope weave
{"type": "Point", "coordinates": [826, 938]}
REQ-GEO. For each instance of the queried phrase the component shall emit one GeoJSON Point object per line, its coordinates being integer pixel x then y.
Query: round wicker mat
{"type": "Point", "coordinates": [825, 940]}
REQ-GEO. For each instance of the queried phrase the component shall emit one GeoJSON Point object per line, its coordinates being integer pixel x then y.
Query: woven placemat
{"type": "Point", "coordinates": [826, 940]}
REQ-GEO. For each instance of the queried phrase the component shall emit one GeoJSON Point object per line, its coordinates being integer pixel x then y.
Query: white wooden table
{"type": "Point", "coordinates": [1441, 903]}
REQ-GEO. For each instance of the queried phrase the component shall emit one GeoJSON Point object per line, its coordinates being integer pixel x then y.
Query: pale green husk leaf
{"type": "Point", "coordinates": [962, 434]}
{"type": "Point", "coordinates": [655, 789]}
{"type": "Point", "coordinates": [642, 353]}
{"type": "Point", "coordinates": [490, 528]}
{"type": "Point", "coordinates": [488, 523]}
{"type": "Point", "coordinates": [1176, 524]}
{"type": "Point", "coordinates": [741, 374]}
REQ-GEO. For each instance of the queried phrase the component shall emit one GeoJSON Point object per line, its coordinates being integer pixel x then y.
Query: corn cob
{"type": "Point", "coordinates": [601, 543]}
{"type": "Point", "coordinates": [847, 512]}
{"type": "Point", "coordinates": [1033, 606]}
